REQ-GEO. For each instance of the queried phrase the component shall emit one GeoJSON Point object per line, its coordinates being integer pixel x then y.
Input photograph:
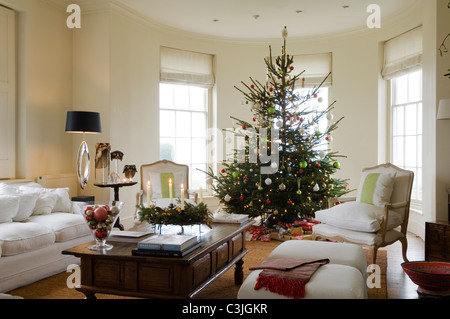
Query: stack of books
{"type": "Point", "coordinates": [165, 245]}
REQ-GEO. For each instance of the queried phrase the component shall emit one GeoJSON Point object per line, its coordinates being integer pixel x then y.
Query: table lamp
{"type": "Point", "coordinates": [83, 122]}
{"type": "Point", "coordinates": [444, 110]}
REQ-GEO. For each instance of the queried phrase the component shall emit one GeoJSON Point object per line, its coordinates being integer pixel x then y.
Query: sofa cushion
{"type": "Point", "coordinates": [27, 201]}
{"type": "Point", "coordinates": [17, 238]}
{"type": "Point", "coordinates": [65, 226]}
{"type": "Point", "coordinates": [9, 206]}
{"type": "Point", "coordinates": [358, 216]}
{"type": "Point", "coordinates": [63, 203]}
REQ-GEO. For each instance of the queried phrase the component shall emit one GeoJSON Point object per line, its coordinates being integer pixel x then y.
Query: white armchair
{"type": "Point", "coordinates": [377, 217]}
{"type": "Point", "coordinates": [158, 174]}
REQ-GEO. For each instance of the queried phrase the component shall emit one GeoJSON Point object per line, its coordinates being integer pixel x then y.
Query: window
{"type": "Point", "coordinates": [186, 80]}
{"type": "Point", "coordinates": [406, 127]}
{"type": "Point", "coordinates": [183, 128]}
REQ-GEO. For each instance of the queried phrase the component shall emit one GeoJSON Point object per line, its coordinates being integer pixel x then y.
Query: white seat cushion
{"type": "Point", "coordinates": [17, 238]}
{"type": "Point", "coordinates": [343, 278]}
{"type": "Point", "coordinates": [66, 226]}
{"type": "Point", "coordinates": [331, 281]}
{"type": "Point", "coordinates": [337, 253]}
{"type": "Point", "coordinates": [358, 216]}
{"type": "Point", "coordinates": [357, 237]}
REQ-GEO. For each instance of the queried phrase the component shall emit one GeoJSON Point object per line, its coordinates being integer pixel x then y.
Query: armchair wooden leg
{"type": "Point", "coordinates": [374, 255]}
{"type": "Point", "coordinates": [404, 242]}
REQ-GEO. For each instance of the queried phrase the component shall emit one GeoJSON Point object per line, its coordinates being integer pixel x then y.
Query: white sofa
{"type": "Point", "coordinates": [36, 225]}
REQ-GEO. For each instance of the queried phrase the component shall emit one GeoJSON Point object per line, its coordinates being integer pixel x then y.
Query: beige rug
{"type": "Point", "coordinates": [223, 288]}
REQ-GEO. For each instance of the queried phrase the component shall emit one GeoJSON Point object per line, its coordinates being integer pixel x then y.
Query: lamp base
{"type": "Point", "coordinates": [83, 164]}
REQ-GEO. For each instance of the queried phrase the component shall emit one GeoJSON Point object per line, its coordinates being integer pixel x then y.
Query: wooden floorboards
{"type": "Point", "coordinates": [399, 286]}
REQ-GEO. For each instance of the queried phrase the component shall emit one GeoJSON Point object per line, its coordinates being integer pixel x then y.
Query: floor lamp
{"type": "Point", "coordinates": [83, 122]}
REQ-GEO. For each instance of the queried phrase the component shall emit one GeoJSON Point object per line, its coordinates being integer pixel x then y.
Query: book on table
{"type": "Point", "coordinates": [127, 236]}
{"type": "Point", "coordinates": [164, 253]}
{"type": "Point", "coordinates": [229, 218]}
{"type": "Point", "coordinates": [167, 242]}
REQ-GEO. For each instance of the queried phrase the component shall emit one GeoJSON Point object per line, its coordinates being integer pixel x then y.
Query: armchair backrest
{"type": "Point", "coordinates": [402, 185]}
{"type": "Point", "coordinates": [158, 174]}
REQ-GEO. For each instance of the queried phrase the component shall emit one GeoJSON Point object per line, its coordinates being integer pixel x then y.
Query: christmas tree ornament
{"type": "Point", "coordinates": [337, 164]}
{"type": "Point", "coordinates": [227, 198]}
{"type": "Point", "coordinates": [268, 181]}
{"type": "Point", "coordinates": [303, 164]}
{"type": "Point", "coordinates": [282, 187]}
{"type": "Point", "coordinates": [316, 188]}
{"type": "Point", "coordinates": [330, 117]}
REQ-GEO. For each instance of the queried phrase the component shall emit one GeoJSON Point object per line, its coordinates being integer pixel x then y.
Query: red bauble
{"type": "Point", "coordinates": [268, 201]}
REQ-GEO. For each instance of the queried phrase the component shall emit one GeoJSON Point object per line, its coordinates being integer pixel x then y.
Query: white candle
{"type": "Point", "coordinates": [182, 197]}
{"type": "Point", "coordinates": [148, 194]}
{"type": "Point", "coordinates": [170, 191]}
{"type": "Point", "coordinates": [201, 194]}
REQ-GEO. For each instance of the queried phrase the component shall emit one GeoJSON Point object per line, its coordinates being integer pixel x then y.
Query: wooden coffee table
{"type": "Point", "coordinates": [118, 272]}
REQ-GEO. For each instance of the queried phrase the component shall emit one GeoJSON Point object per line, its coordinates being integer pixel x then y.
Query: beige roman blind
{"type": "Point", "coordinates": [403, 54]}
{"type": "Point", "coordinates": [316, 67]}
{"type": "Point", "coordinates": [186, 67]}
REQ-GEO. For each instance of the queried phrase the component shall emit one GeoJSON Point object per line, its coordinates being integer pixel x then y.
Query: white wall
{"type": "Point", "coordinates": [44, 88]}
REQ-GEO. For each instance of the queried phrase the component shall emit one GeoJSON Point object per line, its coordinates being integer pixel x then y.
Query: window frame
{"type": "Point", "coordinates": [208, 120]}
{"type": "Point", "coordinates": [416, 204]}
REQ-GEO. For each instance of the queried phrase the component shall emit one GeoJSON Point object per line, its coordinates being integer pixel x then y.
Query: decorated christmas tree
{"type": "Point", "coordinates": [282, 168]}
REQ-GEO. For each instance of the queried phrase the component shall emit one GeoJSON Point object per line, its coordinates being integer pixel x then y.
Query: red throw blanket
{"type": "Point", "coordinates": [287, 276]}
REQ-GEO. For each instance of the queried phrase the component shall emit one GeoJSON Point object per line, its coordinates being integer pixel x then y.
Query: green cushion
{"type": "Point", "coordinates": [368, 188]}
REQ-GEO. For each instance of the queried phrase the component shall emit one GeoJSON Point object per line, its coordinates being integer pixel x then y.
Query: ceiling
{"type": "Point", "coordinates": [264, 19]}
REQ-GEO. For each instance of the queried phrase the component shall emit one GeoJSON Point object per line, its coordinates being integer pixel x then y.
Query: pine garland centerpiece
{"type": "Point", "coordinates": [173, 215]}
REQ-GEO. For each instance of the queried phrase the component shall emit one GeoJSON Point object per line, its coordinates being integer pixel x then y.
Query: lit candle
{"type": "Point", "coordinates": [201, 194]}
{"type": "Point", "coordinates": [170, 191]}
{"type": "Point", "coordinates": [148, 194]}
{"type": "Point", "coordinates": [182, 197]}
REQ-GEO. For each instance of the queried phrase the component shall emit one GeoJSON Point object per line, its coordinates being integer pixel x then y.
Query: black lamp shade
{"type": "Point", "coordinates": [83, 122]}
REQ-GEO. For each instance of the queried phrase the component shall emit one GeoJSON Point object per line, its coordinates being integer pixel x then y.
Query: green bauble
{"type": "Point", "coordinates": [235, 174]}
{"type": "Point", "coordinates": [337, 164]}
{"type": "Point", "coordinates": [299, 192]}
{"type": "Point", "coordinates": [271, 110]}
{"type": "Point", "coordinates": [303, 164]}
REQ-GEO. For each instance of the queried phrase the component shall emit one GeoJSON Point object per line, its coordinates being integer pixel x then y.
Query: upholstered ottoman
{"type": "Point", "coordinates": [344, 277]}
